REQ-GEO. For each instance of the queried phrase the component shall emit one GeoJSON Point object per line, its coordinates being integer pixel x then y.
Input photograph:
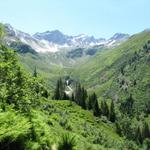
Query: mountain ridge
{"type": "Point", "coordinates": [115, 117]}
{"type": "Point", "coordinates": [53, 41]}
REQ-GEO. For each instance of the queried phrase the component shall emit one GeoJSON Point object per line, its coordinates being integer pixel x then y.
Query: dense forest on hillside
{"type": "Point", "coordinates": [32, 117]}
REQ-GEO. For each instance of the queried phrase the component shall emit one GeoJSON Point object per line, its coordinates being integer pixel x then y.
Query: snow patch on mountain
{"type": "Point", "coordinates": [53, 41]}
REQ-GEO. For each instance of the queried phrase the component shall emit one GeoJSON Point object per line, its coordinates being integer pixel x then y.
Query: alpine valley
{"type": "Point", "coordinates": [64, 92]}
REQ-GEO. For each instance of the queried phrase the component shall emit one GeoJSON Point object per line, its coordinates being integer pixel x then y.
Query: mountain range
{"type": "Point", "coordinates": [81, 96]}
{"type": "Point", "coordinates": [54, 41]}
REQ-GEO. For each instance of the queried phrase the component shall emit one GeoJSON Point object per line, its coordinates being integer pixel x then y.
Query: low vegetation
{"type": "Point", "coordinates": [109, 113]}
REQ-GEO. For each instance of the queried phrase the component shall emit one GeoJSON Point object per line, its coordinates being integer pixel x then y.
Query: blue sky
{"type": "Point", "coordinates": [101, 18]}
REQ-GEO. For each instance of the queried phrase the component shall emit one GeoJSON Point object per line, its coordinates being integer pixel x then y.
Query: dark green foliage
{"type": "Point", "coordinates": [134, 83]}
{"type": "Point", "coordinates": [15, 86]}
{"type": "Point", "coordinates": [130, 145]}
{"type": "Point", "coordinates": [118, 128]}
{"type": "Point", "coordinates": [146, 131]}
{"type": "Point", "coordinates": [22, 48]}
{"type": "Point", "coordinates": [124, 127]}
{"type": "Point", "coordinates": [95, 105]}
{"type": "Point", "coordinates": [67, 143]}
{"type": "Point", "coordinates": [80, 95]}
{"type": "Point", "coordinates": [35, 73]}
{"type": "Point", "coordinates": [147, 107]}
{"type": "Point", "coordinates": [122, 70]}
{"type": "Point", "coordinates": [11, 77]}
{"type": "Point", "coordinates": [83, 98]}
{"type": "Point", "coordinates": [146, 47]}
{"type": "Point", "coordinates": [112, 115]}
{"type": "Point", "coordinates": [32, 135]}
{"type": "Point", "coordinates": [138, 136]}
{"type": "Point", "coordinates": [65, 97]}
{"type": "Point", "coordinates": [9, 143]}
{"type": "Point", "coordinates": [59, 93]}
{"type": "Point", "coordinates": [72, 97]}
{"type": "Point", "coordinates": [75, 53]}
{"type": "Point", "coordinates": [147, 144]}
{"type": "Point", "coordinates": [91, 51]}
{"type": "Point", "coordinates": [44, 92]}
{"type": "Point", "coordinates": [96, 109]}
{"type": "Point", "coordinates": [90, 102]}
{"type": "Point", "coordinates": [104, 108]}
{"type": "Point", "coordinates": [134, 58]}
{"type": "Point", "coordinates": [127, 106]}
{"type": "Point", "coordinates": [22, 93]}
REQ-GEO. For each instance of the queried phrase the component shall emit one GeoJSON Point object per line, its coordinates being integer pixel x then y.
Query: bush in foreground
{"type": "Point", "coordinates": [67, 142]}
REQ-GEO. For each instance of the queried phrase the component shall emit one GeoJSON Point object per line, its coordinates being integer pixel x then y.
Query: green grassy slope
{"type": "Point", "coordinates": [30, 120]}
{"type": "Point", "coordinates": [53, 119]}
{"type": "Point", "coordinates": [102, 73]}
{"type": "Point", "coordinates": [89, 70]}
{"type": "Point", "coordinates": [49, 67]}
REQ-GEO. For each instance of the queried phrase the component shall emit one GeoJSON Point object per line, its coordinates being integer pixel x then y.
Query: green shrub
{"type": "Point", "coordinates": [9, 143]}
{"type": "Point", "coordinates": [67, 142]}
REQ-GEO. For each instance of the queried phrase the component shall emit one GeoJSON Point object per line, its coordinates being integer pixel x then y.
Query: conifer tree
{"type": "Point", "coordinates": [118, 128]}
{"type": "Point", "coordinates": [96, 109]}
{"type": "Point", "coordinates": [80, 95]}
{"type": "Point", "coordinates": [83, 98]}
{"type": "Point", "coordinates": [61, 88]}
{"type": "Point", "coordinates": [105, 109]}
{"type": "Point", "coordinates": [146, 130]}
{"type": "Point", "coordinates": [127, 105]}
{"type": "Point", "coordinates": [35, 73]}
{"type": "Point", "coordinates": [112, 115]}
{"type": "Point", "coordinates": [72, 97]}
{"type": "Point", "coordinates": [138, 136]}
{"type": "Point", "coordinates": [90, 102]}
{"type": "Point", "coordinates": [57, 93]}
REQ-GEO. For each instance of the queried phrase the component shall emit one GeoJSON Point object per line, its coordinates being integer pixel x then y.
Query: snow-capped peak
{"type": "Point", "coordinates": [53, 41]}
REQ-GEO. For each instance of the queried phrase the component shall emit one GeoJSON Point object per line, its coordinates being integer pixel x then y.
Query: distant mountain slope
{"type": "Point", "coordinates": [92, 71]}
{"type": "Point", "coordinates": [119, 72]}
{"type": "Point", "coordinates": [30, 120]}
{"type": "Point", "coordinates": [53, 41]}
{"type": "Point", "coordinates": [81, 40]}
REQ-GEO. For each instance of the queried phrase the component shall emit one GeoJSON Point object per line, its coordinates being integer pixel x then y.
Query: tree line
{"type": "Point", "coordinates": [90, 102]}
